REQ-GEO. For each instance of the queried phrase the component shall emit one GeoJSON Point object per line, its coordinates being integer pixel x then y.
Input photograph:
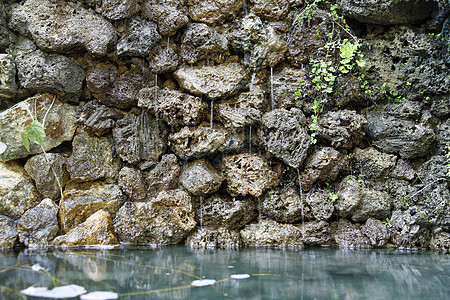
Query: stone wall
{"type": "Point", "coordinates": [177, 121]}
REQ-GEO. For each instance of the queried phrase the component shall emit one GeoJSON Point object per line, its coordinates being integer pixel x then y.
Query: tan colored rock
{"type": "Point", "coordinates": [200, 178]}
{"type": "Point", "coordinates": [272, 234]}
{"type": "Point", "coordinates": [210, 238]}
{"type": "Point", "coordinates": [213, 11]}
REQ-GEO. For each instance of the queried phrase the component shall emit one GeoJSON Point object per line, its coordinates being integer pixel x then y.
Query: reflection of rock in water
{"type": "Point", "coordinates": [95, 267]}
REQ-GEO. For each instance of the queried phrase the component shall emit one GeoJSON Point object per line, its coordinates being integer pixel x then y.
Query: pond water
{"type": "Point", "coordinates": [168, 272]}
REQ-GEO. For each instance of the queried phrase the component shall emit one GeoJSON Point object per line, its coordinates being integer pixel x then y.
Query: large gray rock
{"type": "Point", "coordinates": [214, 82]}
{"type": "Point", "coordinates": [440, 242]}
{"type": "Point", "coordinates": [118, 9]}
{"type": "Point", "coordinates": [282, 205]}
{"type": "Point", "coordinates": [83, 199]}
{"type": "Point", "coordinates": [8, 86]}
{"type": "Point", "coordinates": [8, 233]}
{"type": "Point", "coordinates": [164, 176]}
{"type": "Point", "coordinates": [322, 206]}
{"type": "Point", "coordinates": [168, 16]}
{"type": "Point", "coordinates": [405, 233]}
{"type": "Point", "coordinates": [240, 111]}
{"type": "Point", "coordinates": [7, 37]}
{"type": "Point", "coordinates": [272, 234]}
{"type": "Point", "coordinates": [139, 138]}
{"type": "Point", "coordinates": [213, 12]}
{"type": "Point", "coordinates": [140, 38]}
{"type": "Point", "coordinates": [97, 119]}
{"type": "Point", "coordinates": [214, 238]}
{"type": "Point", "coordinates": [42, 169]}
{"type": "Point", "coordinates": [166, 219]}
{"type": "Point", "coordinates": [348, 235]}
{"type": "Point", "coordinates": [17, 192]}
{"type": "Point", "coordinates": [248, 174]}
{"type": "Point", "coordinates": [201, 141]}
{"type": "Point", "coordinates": [61, 26]}
{"type": "Point", "coordinates": [59, 125]}
{"type": "Point", "coordinates": [273, 10]}
{"type": "Point", "coordinates": [174, 107]}
{"type": "Point", "coordinates": [39, 225]}
{"type": "Point", "coordinates": [163, 59]}
{"type": "Point", "coordinates": [285, 83]}
{"type": "Point", "coordinates": [387, 12]}
{"type": "Point", "coordinates": [376, 231]}
{"type": "Point", "coordinates": [285, 137]}
{"type": "Point", "coordinates": [132, 184]}
{"type": "Point", "coordinates": [92, 158]}
{"type": "Point", "coordinates": [372, 163]}
{"type": "Point", "coordinates": [200, 178]}
{"type": "Point", "coordinates": [316, 233]}
{"type": "Point", "coordinates": [202, 42]}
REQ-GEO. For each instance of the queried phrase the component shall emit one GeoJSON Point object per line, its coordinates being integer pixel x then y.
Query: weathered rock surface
{"type": "Point", "coordinates": [241, 110]}
{"type": "Point", "coordinates": [59, 125]}
{"type": "Point", "coordinates": [214, 82]}
{"type": "Point", "coordinates": [348, 235]}
{"type": "Point", "coordinates": [285, 83]}
{"type": "Point", "coordinates": [7, 37]}
{"type": "Point", "coordinates": [440, 242]}
{"type": "Point", "coordinates": [83, 199]}
{"type": "Point", "coordinates": [132, 184]}
{"type": "Point", "coordinates": [172, 106]}
{"type": "Point", "coordinates": [163, 59]}
{"type": "Point", "coordinates": [140, 38]}
{"type": "Point", "coordinates": [166, 219]}
{"type": "Point", "coordinates": [43, 174]}
{"type": "Point", "coordinates": [97, 119]}
{"type": "Point", "coordinates": [316, 233]}
{"type": "Point", "coordinates": [282, 205]}
{"type": "Point", "coordinates": [273, 10]}
{"type": "Point", "coordinates": [213, 12]}
{"type": "Point", "coordinates": [284, 135]}
{"type": "Point", "coordinates": [343, 128]}
{"type": "Point", "coordinates": [200, 178]}
{"type": "Point", "coordinates": [167, 15]}
{"type": "Point", "coordinates": [405, 234]}
{"type": "Point", "coordinates": [98, 229]}
{"type": "Point", "coordinates": [376, 231]}
{"type": "Point", "coordinates": [17, 192]}
{"type": "Point", "coordinates": [248, 174]}
{"type": "Point", "coordinates": [118, 9]}
{"type": "Point", "coordinates": [374, 164]}
{"type": "Point", "coordinates": [403, 170]}
{"type": "Point", "coordinates": [139, 138]}
{"type": "Point", "coordinates": [59, 26]}
{"type": "Point", "coordinates": [202, 42]}
{"type": "Point", "coordinates": [212, 238]}
{"type": "Point", "coordinates": [164, 176]}
{"type": "Point", "coordinates": [321, 205]}
{"type": "Point", "coordinates": [38, 226]}
{"type": "Point", "coordinates": [8, 233]}
{"type": "Point", "coordinates": [8, 86]}
{"type": "Point", "coordinates": [324, 164]}
{"type": "Point", "coordinates": [201, 141]}
{"type": "Point", "coordinates": [387, 12]}
{"type": "Point", "coordinates": [272, 234]}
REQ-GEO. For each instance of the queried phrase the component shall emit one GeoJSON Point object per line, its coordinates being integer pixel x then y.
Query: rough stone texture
{"type": "Point", "coordinates": [443, 135]}
{"type": "Point", "coordinates": [285, 83]}
{"type": "Point", "coordinates": [248, 174]}
{"type": "Point", "coordinates": [7, 37]}
{"type": "Point", "coordinates": [92, 158]}
{"type": "Point", "coordinates": [164, 176]}
{"type": "Point", "coordinates": [8, 233]}
{"type": "Point", "coordinates": [59, 125]}
{"type": "Point", "coordinates": [343, 128]}
{"type": "Point", "coordinates": [360, 203]}
{"type": "Point", "coordinates": [200, 178]}
{"type": "Point", "coordinates": [118, 87]}
{"type": "Point", "coordinates": [405, 234]}
{"type": "Point", "coordinates": [213, 12]}
{"type": "Point", "coordinates": [83, 199]}
{"type": "Point", "coordinates": [387, 12]}
{"type": "Point", "coordinates": [97, 119]}
{"type": "Point", "coordinates": [98, 229]}
{"type": "Point", "coordinates": [440, 242]}
{"type": "Point", "coordinates": [118, 9]}
{"type": "Point", "coordinates": [202, 42]}
{"type": "Point", "coordinates": [316, 233]}
{"type": "Point", "coordinates": [8, 86]}
{"type": "Point", "coordinates": [139, 138]}
{"type": "Point", "coordinates": [376, 231]}
{"type": "Point", "coordinates": [273, 10]}
{"type": "Point", "coordinates": [241, 110]}
{"type": "Point", "coordinates": [348, 235]}
{"type": "Point", "coordinates": [282, 205]}
{"type": "Point", "coordinates": [374, 164]}
{"type": "Point", "coordinates": [214, 82]}
{"type": "Point", "coordinates": [403, 170]}
{"type": "Point", "coordinates": [201, 141]}
{"type": "Point", "coordinates": [212, 238]}
{"type": "Point", "coordinates": [46, 183]}
{"type": "Point", "coordinates": [132, 184]}
{"type": "Point", "coordinates": [441, 108]}
{"type": "Point", "coordinates": [168, 17]}
{"type": "Point", "coordinates": [166, 219]}
{"type": "Point", "coordinates": [139, 39]}
{"type": "Point", "coordinates": [285, 137]}
{"type": "Point", "coordinates": [392, 135]}
{"type": "Point", "coordinates": [61, 26]}
{"type": "Point", "coordinates": [39, 225]}
{"type": "Point", "coordinates": [163, 59]}
{"type": "Point", "coordinates": [272, 234]}
{"type": "Point", "coordinates": [324, 164]}
{"type": "Point", "coordinates": [321, 206]}
{"type": "Point", "coordinates": [224, 212]}
{"type": "Point", "coordinates": [17, 192]}
{"type": "Point", "coordinates": [172, 106]}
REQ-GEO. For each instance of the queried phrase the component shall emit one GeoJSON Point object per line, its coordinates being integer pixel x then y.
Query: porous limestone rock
{"type": "Point", "coordinates": [8, 233]}
{"type": "Point", "coordinates": [139, 39]}
{"type": "Point", "coordinates": [118, 9]}
{"type": "Point", "coordinates": [7, 37]}
{"type": "Point", "coordinates": [168, 15]}
{"type": "Point", "coordinates": [272, 234]}
{"type": "Point", "coordinates": [97, 119]}
{"type": "Point", "coordinates": [132, 184]}
{"type": "Point", "coordinates": [273, 10]}
{"type": "Point", "coordinates": [285, 83]}
{"type": "Point", "coordinates": [374, 164]}
{"type": "Point", "coordinates": [440, 242]}
{"type": "Point", "coordinates": [405, 231]}
{"type": "Point", "coordinates": [282, 205]}
{"type": "Point", "coordinates": [348, 235]}
{"type": "Point", "coordinates": [214, 238]}
{"type": "Point", "coordinates": [213, 12]}
{"type": "Point", "coordinates": [163, 59]}
{"type": "Point", "coordinates": [8, 86]}
{"type": "Point", "coordinates": [240, 111]}
{"type": "Point", "coordinates": [200, 178]}
{"type": "Point", "coordinates": [164, 176]}
{"type": "Point", "coordinates": [376, 231]}
{"type": "Point", "coordinates": [321, 204]}
{"type": "Point", "coordinates": [316, 233]}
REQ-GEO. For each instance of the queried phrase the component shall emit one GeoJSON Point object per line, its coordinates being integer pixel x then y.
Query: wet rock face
{"type": "Point", "coordinates": [165, 220]}
{"type": "Point", "coordinates": [387, 12]}
{"type": "Point", "coordinates": [97, 119]}
{"type": "Point", "coordinates": [39, 167]}
{"type": "Point", "coordinates": [132, 184]}
{"type": "Point", "coordinates": [8, 234]}
{"type": "Point", "coordinates": [168, 17]}
{"type": "Point", "coordinates": [213, 12]}
{"type": "Point", "coordinates": [282, 205]}
{"type": "Point", "coordinates": [316, 233]}
{"type": "Point", "coordinates": [405, 234]}
{"type": "Point", "coordinates": [285, 137]}
{"type": "Point", "coordinates": [272, 9]}
{"type": "Point", "coordinates": [172, 106]}
{"type": "Point", "coordinates": [248, 174]}
{"type": "Point", "coordinates": [241, 110]}
{"type": "Point", "coordinates": [164, 176]}
{"type": "Point", "coordinates": [8, 86]}
{"type": "Point", "coordinates": [7, 37]}
{"type": "Point", "coordinates": [17, 192]}
{"type": "Point", "coordinates": [118, 9]}
{"type": "Point", "coordinates": [200, 178]}
{"type": "Point", "coordinates": [59, 26]}
{"type": "Point", "coordinates": [39, 225]}
{"type": "Point", "coordinates": [374, 164]}
{"type": "Point", "coordinates": [285, 83]}
{"type": "Point", "coordinates": [209, 238]}
{"type": "Point", "coordinates": [348, 235]}
{"type": "Point", "coordinates": [376, 231]}
{"type": "Point", "coordinates": [322, 206]}
{"type": "Point", "coordinates": [140, 38]}
{"type": "Point", "coordinates": [163, 59]}
{"type": "Point", "coordinates": [272, 234]}
{"type": "Point", "coordinates": [440, 242]}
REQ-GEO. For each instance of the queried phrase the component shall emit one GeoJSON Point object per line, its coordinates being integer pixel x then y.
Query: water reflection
{"type": "Point", "coordinates": [166, 273]}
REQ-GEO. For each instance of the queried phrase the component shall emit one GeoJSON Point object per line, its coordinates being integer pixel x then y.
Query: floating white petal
{"type": "Point", "coordinates": [36, 267]}
{"type": "Point", "coordinates": [2, 147]}
{"type": "Point", "coordinates": [203, 282]}
{"type": "Point", "coordinates": [60, 292]}
{"type": "Point", "coordinates": [99, 296]}
{"type": "Point", "coordinates": [240, 276]}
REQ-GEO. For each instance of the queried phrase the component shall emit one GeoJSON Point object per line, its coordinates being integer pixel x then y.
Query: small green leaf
{"type": "Point", "coordinates": [36, 132]}
{"type": "Point", "coordinates": [25, 141]}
